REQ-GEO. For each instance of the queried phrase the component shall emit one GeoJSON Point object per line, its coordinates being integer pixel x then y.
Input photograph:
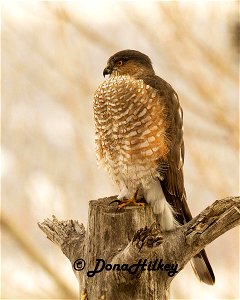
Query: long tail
{"type": "Point", "coordinates": [200, 263]}
{"type": "Point", "coordinates": [202, 268]}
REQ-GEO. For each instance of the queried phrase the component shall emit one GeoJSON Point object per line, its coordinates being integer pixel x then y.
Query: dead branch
{"type": "Point", "coordinates": [118, 247]}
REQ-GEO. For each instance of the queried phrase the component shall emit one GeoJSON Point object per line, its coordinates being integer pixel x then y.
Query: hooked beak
{"type": "Point", "coordinates": [107, 71]}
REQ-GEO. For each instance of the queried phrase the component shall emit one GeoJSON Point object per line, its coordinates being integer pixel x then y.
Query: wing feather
{"type": "Point", "coordinates": [171, 169]}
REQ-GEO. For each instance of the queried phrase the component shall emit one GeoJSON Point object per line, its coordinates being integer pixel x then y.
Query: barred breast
{"type": "Point", "coordinates": [130, 130]}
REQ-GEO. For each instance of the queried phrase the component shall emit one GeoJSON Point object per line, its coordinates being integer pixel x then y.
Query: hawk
{"type": "Point", "coordinates": [139, 141]}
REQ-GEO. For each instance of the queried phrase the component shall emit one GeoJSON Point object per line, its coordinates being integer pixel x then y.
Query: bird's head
{"type": "Point", "coordinates": [129, 62]}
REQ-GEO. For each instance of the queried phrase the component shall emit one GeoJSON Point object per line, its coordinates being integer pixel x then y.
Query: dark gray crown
{"type": "Point", "coordinates": [135, 55]}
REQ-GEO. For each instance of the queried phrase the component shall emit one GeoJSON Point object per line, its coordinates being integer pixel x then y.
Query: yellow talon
{"type": "Point", "coordinates": [133, 200]}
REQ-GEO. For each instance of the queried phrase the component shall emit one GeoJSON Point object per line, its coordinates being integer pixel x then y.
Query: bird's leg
{"type": "Point", "coordinates": [133, 200]}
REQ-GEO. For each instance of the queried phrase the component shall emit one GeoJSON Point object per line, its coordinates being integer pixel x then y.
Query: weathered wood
{"type": "Point", "coordinates": [129, 236]}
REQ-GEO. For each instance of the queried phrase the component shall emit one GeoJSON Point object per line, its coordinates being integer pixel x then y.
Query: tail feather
{"type": "Point", "coordinates": [199, 262]}
{"type": "Point", "coordinates": [173, 211]}
{"type": "Point", "coordinates": [202, 268]}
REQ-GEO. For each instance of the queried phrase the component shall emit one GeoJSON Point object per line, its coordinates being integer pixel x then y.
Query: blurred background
{"type": "Point", "coordinates": [53, 55]}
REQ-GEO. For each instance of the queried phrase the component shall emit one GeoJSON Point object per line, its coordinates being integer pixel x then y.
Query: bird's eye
{"type": "Point", "coordinates": [119, 63]}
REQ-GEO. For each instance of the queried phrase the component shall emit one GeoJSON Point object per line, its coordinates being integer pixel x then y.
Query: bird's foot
{"type": "Point", "coordinates": [131, 201]}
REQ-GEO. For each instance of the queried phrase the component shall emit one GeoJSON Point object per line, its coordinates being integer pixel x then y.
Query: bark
{"type": "Point", "coordinates": [130, 238]}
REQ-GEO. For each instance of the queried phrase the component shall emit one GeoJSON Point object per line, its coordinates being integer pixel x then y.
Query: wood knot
{"type": "Point", "coordinates": [148, 237]}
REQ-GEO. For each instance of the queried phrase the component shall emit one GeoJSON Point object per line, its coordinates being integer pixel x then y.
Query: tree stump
{"type": "Point", "coordinates": [124, 255]}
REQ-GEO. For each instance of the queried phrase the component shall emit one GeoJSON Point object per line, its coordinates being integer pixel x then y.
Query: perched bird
{"type": "Point", "coordinates": [139, 140]}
